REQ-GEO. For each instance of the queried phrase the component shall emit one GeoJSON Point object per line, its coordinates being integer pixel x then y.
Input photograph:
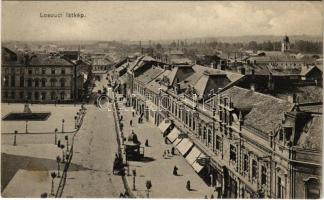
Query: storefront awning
{"type": "Point", "coordinates": [173, 135]}
{"type": "Point", "coordinates": [164, 125]}
{"type": "Point", "coordinates": [197, 167]}
{"type": "Point", "coordinates": [193, 155]}
{"type": "Point", "coordinates": [184, 146]}
{"type": "Point", "coordinates": [177, 141]}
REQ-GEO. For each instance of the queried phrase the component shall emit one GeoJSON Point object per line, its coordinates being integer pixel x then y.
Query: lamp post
{"type": "Point", "coordinates": [63, 125]}
{"type": "Point", "coordinates": [62, 147]}
{"type": "Point", "coordinates": [55, 135]}
{"type": "Point", "coordinates": [53, 175]}
{"type": "Point", "coordinates": [134, 176]}
{"type": "Point", "coordinates": [15, 141]}
{"type": "Point", "coordinates": [75, 122]}
{"type": "Point", "coordinates": [58, 160]}
{"type": "Point", "coordinates": [67, 143]}
{"type": "Point", "coordinates": [26, 130]}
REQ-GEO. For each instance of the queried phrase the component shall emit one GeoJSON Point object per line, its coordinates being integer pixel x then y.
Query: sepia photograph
{"type": "Point", "coordinates": [162, 99]}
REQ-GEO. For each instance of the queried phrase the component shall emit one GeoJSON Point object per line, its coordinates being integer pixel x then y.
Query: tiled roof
{"type": "Point", "coordinates": [46, 60]}
{"type": "Point", "coordinates": [149, 75]}
{"type": "Point", "coordinates": [266, 112]}
{"type": "Point", "coordinates": [305, 94]}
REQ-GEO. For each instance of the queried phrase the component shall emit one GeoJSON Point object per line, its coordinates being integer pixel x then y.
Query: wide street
{"type": "Point", "coordinates": [94, 152]}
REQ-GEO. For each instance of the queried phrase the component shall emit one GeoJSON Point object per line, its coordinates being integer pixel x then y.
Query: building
{"type": "Point", "coordinates": [244, 143]}
{"type": "Point", "coordinates": [37, 78]}
{"type": "Point", "coordinates": [285, 44]}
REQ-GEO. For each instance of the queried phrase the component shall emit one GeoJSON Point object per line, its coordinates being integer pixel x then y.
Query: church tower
{"type": "Point", "coordinates": [285, 44]}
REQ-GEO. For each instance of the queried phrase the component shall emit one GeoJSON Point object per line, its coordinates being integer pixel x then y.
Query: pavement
{"type": "Point", "coordinates": [158, 169]}
{"type": "Point", "coordinates": [58, 112]}
{"type": "Point", "coordinates": [95, 146]}
{"type": "Point", "coordinates": [26, 167]}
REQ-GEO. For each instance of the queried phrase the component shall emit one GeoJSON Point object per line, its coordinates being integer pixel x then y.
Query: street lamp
{"type": "Point", "coordinates": [15, 141]}
{"type": "Point", "coordinates": [134, 176]}
{"type": "Point", "coordinates": [58, 160]}
{"type": "Point", "coordinates": [67, 143]}
{"type": "Point", "coordinates": [53, 175]}
{"type": "Point", "coordinates": [75, 121]}
{"type": "Point", "coordinates": [62, 147]}
{"type": "Point", "coordinates": [63, 125]}
{"type": "Point", "coordinates": [55, 135]}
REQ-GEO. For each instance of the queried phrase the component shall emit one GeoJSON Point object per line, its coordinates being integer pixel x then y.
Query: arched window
{"type": "Point", "coordinates": [22, 81]}
{"type": "Point", "coordinates": [53, 95]}
{"type": "Point", "coordinates": [53, 82]}
{"type": "Point", "coordinates": [30, 82]}
{"type": "Point", "coordinates": [43, 82]}
{"type": "Point", "coordinates": [62, 95]}
{"type": "Point", "coordinates": [62, 81]}
{"type": "Point", "coordinates": [36, 82]}
{"type": "Point", "coordinates": [43, 96]}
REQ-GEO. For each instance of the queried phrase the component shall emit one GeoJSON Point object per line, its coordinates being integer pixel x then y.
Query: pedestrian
{"type": "Point", "coordinates": [146, 143]}
{"type": "Point", "coordinates": [133, 114]}
{"type": "Point", "coordinates": [121, 195]}
{"type": "Point", "coordinates": [175, 171]}
{"type": "Point", "coordinates": [139, 120]}
{"type": "Point", "coordinates": [168, 152]}
{"type": "Point", "coordinates": [188, 185]}
{"type": "Point", "coordinates": [166, 140]}
{"type": "Point", "coordinates": [131, 122]}
{"type": "Point", "coordinates": [211, 196]}
{"type": "Point", "coordinates": [121, 118]}
{"type": "Point", "coordinates": [172, 151]}
{"type": "Point", "coordinates": [164, 154]}
{"type": "Point", "coordinates": [206, 197]}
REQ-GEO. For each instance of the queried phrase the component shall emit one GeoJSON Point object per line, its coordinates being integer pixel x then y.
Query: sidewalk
{"type": "Point", "coordinates": [158, 169]}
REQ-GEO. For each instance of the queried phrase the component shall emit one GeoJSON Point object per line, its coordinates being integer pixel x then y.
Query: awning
{"type": "Point", "coordinates": [173, 135]}
{"type": "Point", "coordinates": [197, 167]}
{"type": "Point", "coordinates": [164, 125]}
{"type": "Point", "coordinates": [193, 155]}
{"type": "Point", "coordinates": [184, 146]}
{"type": "Point", "coordinates": [177, 141]}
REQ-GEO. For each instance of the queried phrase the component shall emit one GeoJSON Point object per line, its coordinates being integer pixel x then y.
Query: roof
{"type": "Point", "coordinates": [101, 61]}
{"type": "Point", "coordinates": [305, 94]}
{"type": "Point", "coordinates": [150, 74]}
{"type": "Point", "coordinates": [180, 61]}
{"type": "Point", "coordinates": [47, 60]}
{"type": "Point", "coordinates": [312, 136]}
{"type": "Point", "coordinates": [306, 69]}
{"type": "Point", "coordinates": [265, 112]}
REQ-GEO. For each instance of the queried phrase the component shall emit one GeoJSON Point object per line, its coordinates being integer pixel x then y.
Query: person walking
{"type": "Point", "coordinates": [172, 151]}
{"type": "Point", "coordinates": [175, 171]}
{"type": "Point", "coordinates": [131, 122]}
{"type": "Point", "coordinates": [188, 185]}
{"type": "Point", "coordinates": [133, 114]}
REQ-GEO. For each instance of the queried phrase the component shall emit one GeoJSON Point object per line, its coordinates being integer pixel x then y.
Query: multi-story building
{"type": "Point", "coordinates": [245, 143]}
{"type": "Point", "coordinates": [37, 78]}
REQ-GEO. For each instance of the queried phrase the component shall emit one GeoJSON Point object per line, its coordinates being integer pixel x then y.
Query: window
{"type": "Point", "coordinates": [209, 136]}
{"type": "Point", "coordinates": [62, 95]}
{"type": "Point", "coordinates": [53, 71]}
{"type": "Point", "coordinates": [263, 175]}
{"type": "Point", "coordinates": [36, 82]}
{"type": "Point", "coordinates": [36, 95]}
{"type": "Point", "coordinates": [246, 163]}
{"type": "Point", "coordinates": [21, 95]}
{"type": "Point", "coordinates": [233, 153]}
{"type": "Point", "coordinates": [312, 189]}
{"type": "Point", "coordinates": [13, 95]}
{"type": "Point", "coordinates": [53, 96]}
{"type": "Point", "coordinates": [280, 189]}
{"type": "Point", "coordinates": [29, 95]}
{"type": "Point", "coordinates": [5, 95]}
{"type": "Point", "coordinates": [53, 82]}
{"type": "Point", "coordinates": [43, 95]}
{"type": "Point", "coordinates": [43, 82]}
{"type": "Point", "coordinates": [30, 71]}
{"type": "Point", "coordinates": [6, 81]}
{"type": "Point", "coordinates": [218, 142]}
{"type": "Point", "coordinates": [22, 81]}
{"type": "Point", "coordinates": [254, 168]}
{"type": "Point", "coordinates": [62, 82]}
{"type": "Point", "coordinates": [43, 71]}
{"type": "Point", "coordinates": [63, 71]}
{"type": "Point", "coordinates": [36, 70]}
{"type": "Point", "coordinates": [13, 81]}
{"type": "Point", "coordinates": [29, 82]}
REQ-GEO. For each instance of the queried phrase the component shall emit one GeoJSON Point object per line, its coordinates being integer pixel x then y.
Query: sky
{"type": "Point", "coordinates": [134, 20]}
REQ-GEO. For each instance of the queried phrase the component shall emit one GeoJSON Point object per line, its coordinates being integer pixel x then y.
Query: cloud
{"type": "Point", "coordinates": [159, 20]}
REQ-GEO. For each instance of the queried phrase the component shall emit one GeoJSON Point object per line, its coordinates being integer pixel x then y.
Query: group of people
{"type": "Point", "coordinates": [168, 153]}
